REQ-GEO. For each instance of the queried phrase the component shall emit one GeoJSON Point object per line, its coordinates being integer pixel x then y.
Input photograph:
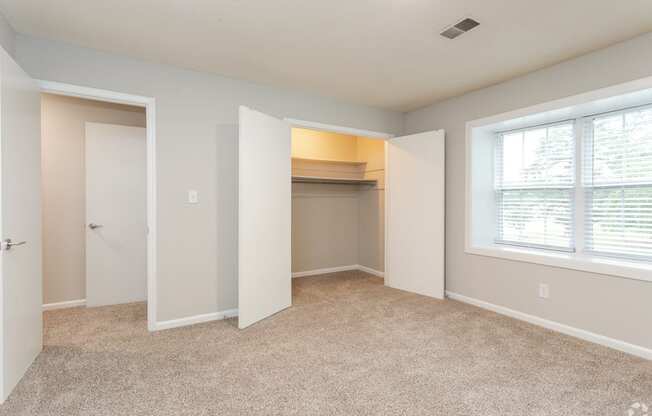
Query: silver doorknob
{"type": "Point", "coordinates": [7, 244]}
{"type": "Point", "coordinates": [93, 226]}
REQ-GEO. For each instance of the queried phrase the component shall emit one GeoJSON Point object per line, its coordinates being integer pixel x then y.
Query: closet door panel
{"type": "Point", "coordinates": [414, 258]}
{"type": "Point", "coordinates": [264, 217]}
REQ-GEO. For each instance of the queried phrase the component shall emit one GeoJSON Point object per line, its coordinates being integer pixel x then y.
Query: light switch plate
{"type": "Point", "coordinates": [544, 291]}
{"type": "Point", "coordinates": [193, 196]}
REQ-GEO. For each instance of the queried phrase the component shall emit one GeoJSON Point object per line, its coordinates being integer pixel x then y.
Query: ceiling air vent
{"type": "Point", "coordinates": [459, 28]}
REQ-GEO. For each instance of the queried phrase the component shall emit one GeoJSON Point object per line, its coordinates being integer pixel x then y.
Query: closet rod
{"type": "Point", "coordinates": [342, 181]}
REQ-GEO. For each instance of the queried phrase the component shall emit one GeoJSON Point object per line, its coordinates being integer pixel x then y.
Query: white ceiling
{"type": "Point", "coordinates": [384, 53]}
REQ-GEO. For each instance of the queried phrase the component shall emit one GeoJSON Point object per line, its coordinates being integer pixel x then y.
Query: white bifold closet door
{"type": "Point", "coordinates": [415, 190]}
{"type": "Point", "coordinates": [264, 219]}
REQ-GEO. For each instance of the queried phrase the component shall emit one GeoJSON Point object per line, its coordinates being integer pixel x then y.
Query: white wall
{"type": "Point", "coordinates": [611, 306]}
{"type": "Point", "coordinates": [64, 188]}
{"type": "Point", "coordinates": [194, 111]}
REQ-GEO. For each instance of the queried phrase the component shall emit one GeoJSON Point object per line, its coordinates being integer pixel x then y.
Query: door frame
{"type": "Point", "coordinates": [333, 128]}
{"type": "Point", "coordinates": [369, 134]}
{"type": "Point", "coordinates": [149, 103]}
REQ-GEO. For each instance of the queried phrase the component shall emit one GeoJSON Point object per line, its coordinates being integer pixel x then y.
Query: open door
{"type": "Point", "coordinates": [20, 223]}
{"type": "Point", "coordinates": [264, 217]}
{"type": "Point", "coordinates": [415, 190]}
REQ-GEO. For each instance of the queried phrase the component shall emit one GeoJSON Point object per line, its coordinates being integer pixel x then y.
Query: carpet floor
{"type": "Point", "coordinates": [348, 346]}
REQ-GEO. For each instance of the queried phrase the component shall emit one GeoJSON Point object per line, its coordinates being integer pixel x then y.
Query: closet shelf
{"type": "Point", "coordinates": [337, 162]}
{"type": "Point", "coordinates": [343, 181]}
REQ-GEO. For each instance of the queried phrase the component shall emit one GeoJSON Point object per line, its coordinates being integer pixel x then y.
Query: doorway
{"type": "Point", "coordinates": [94, 202]}
{"type": "Point", "coordinates": [118, 231]}
{"type": "Point", "coordinates": [338, 201]}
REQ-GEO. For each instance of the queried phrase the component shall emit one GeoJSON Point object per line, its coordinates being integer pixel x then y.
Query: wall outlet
{"type": "Point", "coordinates": [544, 291]}
{"type": "Point", "coordinates": [193, 196]}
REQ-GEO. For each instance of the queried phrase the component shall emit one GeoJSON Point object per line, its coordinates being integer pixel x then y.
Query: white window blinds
{"type": "Point", "coordinates": [618, 184]}
{"type": "Point", "coordinates": [534, 184]}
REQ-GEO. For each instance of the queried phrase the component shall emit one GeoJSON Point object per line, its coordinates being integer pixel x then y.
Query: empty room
{"type": "Point", "coordinates": [325, 208]}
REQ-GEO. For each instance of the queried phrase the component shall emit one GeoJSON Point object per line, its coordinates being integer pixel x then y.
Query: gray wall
{"type": "Point", "coordinates": [194, 111]}
{"type": "Point", "coordinates": [337, 225]}
{"type": "Point", "coordinates": [371, 204]}
{"type": "Point", "coordinates": [611, 306]}
{"type": "Point", "coordinates": [7, 36]}
{"type": "Point", "coordinates": [63, 122]}
{"type": "Point", "coordinates": [324, 226]}
{"type": "Point", "coordinates": [371, 228]}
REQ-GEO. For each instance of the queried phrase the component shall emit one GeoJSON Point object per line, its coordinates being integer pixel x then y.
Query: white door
{"type": "Point", "coordinates": [264, 218]}
{"type": "Point", "coordinates": [415, 213]}
{"type": "Point", "coordinates": [20, 194]}
{"type": "Point", "coordinates": [116, 214]}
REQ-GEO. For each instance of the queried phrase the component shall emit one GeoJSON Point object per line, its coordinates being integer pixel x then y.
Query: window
{"type": "Point", "coordinates": [534, 182]}
{"type": "Point", "coordinates": [618, 184]}
{"type": "Point", "coordinates": [536, 187]}
{"type": "Point", "coordinates": [567, 183]}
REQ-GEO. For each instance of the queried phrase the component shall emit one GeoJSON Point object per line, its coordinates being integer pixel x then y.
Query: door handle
{"type": "Point", "coordinates": [7, 244]}
{"type": "Point", "coordinates": [93, 226]}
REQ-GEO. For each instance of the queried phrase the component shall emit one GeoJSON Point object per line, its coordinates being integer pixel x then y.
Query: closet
{"type": "Point", "coordinates": [338, 194]}
{"type": "Point", "coordinates": [312, 201]}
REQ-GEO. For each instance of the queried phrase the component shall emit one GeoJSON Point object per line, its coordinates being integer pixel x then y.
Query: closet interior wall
{"type": "Point", "coordinates": [337, 224]}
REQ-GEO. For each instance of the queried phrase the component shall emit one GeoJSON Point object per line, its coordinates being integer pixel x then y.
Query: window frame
{"type": "Point", "coordinates": [618, 98]}
{"type": "Point", "coordinates": [498, 147]}
{"type": "Point", "coordinates": [586, 138]}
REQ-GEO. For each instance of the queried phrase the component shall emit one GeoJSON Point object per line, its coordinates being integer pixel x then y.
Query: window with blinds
{"type": "Point", "coordinates": [534, 182]}
{"type": "Point", "coordinates": [617, 177]}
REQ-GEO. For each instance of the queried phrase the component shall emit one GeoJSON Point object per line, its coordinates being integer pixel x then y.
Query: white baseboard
{"type": "Point", "coordinates": [197, 319]}
{"type": "Point", "coordinates": [325, 271]}
{"type": "Point", "coordinates": [371, 271]}
{"type": "Point", "coordinates": [338, 269]}
{"type": "Point", "coordinates": [558, 327]}
{"type": "Point", "coordinates": [64, 305]}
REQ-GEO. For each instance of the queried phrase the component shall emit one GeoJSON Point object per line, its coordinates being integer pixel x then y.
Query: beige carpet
{"type": "Point", "coordinates": [349, 346]}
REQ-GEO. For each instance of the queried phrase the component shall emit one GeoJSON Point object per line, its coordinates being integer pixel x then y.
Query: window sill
{"type": "Point", "coordinates": [601, 265]}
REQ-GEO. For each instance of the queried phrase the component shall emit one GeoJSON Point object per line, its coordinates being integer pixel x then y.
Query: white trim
{"type": "Point", "coordinates": [386, 216]}
{"type": "Point", "coordinates": [468, 186]}
{"type": "Point", "coordinates": [96, 94]}
{"type": "Point", "coordinates": [371, 271]}
{"type": "Point", "coordinates": [3, 394]}
{"type": "Point", "coordinates": [197, 319]}
{"type": "Point", "coordinates": [578, 212]}
{"type": "Point", "coordinates": [574, 107]}
{"type": "Point", "coordinates": [599, 265]}
{"type": "Point", "coordinates": [619, 345]}
{"type": "Point", "coordinates": [325, 271]}
{"type": "Point", "coordinates": [328, 270]}
{"type": "Point", "coordinates": [563, 108]}
{"type": "Point", "coordinates": [64, 305]}
{"type": "Point", "coordinates": [338, 129]}
{"type": "Point", "coordinates": [150, 113]}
